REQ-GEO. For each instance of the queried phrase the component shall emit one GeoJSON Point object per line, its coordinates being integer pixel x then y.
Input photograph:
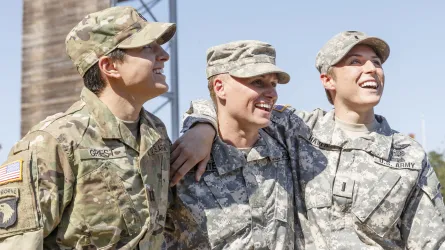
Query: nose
{"type": "Point", "coordinates": [162, 56]}
{"type": "Point", "coordinates": [271, 93]}
{"type": "Point", "coordinates": [369, 67]}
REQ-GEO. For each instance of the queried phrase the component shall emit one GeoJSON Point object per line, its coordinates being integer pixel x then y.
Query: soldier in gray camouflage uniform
{"type": "Point", "coordinates": [363, 185]}
{"type": "Point", "coordinates": [97, 175]}
{"type": "Point", "coordinates": [245, 198]}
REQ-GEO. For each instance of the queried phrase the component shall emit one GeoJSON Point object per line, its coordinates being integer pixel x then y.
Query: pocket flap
{"type": "Point", "coordinates": [369, 202]}
{"type": "Point", "coordinates": [318, 193]}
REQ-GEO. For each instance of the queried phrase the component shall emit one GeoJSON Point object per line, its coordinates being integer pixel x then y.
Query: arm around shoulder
{"type": "Point", "coordinates": [200, 111]}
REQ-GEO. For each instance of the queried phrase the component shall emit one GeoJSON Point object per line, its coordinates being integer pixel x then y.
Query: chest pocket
{"type": "Point", "coordinates": [218, 204]}
{"type": "Point", "coordinates": [102, 212]}
{"type": "Point", "coordinates": [380, 207]}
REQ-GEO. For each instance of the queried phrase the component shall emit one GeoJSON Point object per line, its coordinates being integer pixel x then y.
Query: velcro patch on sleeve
{"type": "Point", "coordinates": [280, 108]}
{"type": "Point", "coordinates": [11, 172]}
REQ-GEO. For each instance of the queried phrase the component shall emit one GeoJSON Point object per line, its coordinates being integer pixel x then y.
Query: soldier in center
{"type": "Point", "coordinates": [245, 198]}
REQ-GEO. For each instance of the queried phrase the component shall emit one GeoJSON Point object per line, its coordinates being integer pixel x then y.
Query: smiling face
{"type": "Point", "coordinates": [249, 101]}
{"type": "Point", "coordinates": [357, 81]}
{"type": "Point", "coordinates": [142, 71]}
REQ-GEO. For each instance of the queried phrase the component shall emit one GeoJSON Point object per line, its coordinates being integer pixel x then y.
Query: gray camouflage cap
{"type": "Point", "coordinates": [339, 45]}
{"type": "Point", "coordinates": [101, 32]}
{"type": "Point", "coordinates": [243, 59]}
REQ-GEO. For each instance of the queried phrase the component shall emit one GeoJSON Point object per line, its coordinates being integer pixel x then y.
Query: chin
{"type": "Point", "coordinates": [371, 101]}
{"type": "Point", "coordinates": [153, 93]}
{"type": "Point", "coordinates": [162, 86]}
{"type": "Point", "coordinates": [262, 123]}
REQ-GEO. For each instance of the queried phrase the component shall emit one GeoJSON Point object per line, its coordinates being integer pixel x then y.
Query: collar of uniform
{"type": "Point", "coordinates": [377, 143]}
{"type": "Point", "coordinates": [325, 131]}
{"type": "Point", "coordinates": [148, 120]}
{"type": "Point", "coordinates": [150, 133]}
{"type": "Point", "coordinates": [383, 139]}
{"type": "Point", "coordinates": [106, 121]}
{"type": "Point", "coordinates": [263, 148]}
{"type": "Point", "coordinates": [228, 158]}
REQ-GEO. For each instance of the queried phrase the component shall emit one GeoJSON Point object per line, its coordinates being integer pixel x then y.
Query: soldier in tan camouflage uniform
{"type": "Point", "coordinates": [245, 198]}
{"type": "Point", "coordinates": [363, 185]}
{"type": "Point", "coordinates": [96, 176]}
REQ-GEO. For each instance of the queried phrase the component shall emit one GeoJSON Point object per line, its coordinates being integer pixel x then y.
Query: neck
{"type": "Point", "coordinates": [233, 133]}
{"type": "Point", "coordinates": [122, 106]}
{"type": "Point", "coordinates": [354, 116]}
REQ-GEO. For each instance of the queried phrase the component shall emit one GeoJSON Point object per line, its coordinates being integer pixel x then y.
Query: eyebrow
{"type": "Point", "coordinates": [358, 55]}
{"type": "Point", "coordinates": [273, 81]}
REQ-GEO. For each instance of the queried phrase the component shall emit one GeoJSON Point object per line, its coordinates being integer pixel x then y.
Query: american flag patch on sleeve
{"type": "Point", "coordinates": [11, 172]}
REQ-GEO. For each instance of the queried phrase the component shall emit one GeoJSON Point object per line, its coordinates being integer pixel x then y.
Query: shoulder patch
{"type": "Point", "coordinates": [11, 172]}
{"type": "Point", "coordinates": [280, 108]}
{"type": "Point", "coordinates": [8, 206]}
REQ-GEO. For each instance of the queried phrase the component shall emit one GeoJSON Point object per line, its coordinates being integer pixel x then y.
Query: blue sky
{"type": "Point", "coordinates": [297, 29]}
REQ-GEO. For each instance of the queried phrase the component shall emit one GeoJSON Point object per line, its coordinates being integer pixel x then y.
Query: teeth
{"type": "Point", "coordinates": [264, 105]}
{"type": "Point", "coordinates": [158, 71]}
{"type": "Point", "coordinates": [369, 84]}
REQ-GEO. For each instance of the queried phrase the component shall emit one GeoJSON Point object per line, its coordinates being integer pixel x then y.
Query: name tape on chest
{"type": "Point", "coordinates": [102, 153]}
{"type": "Point", "coordinates": [392, 164]}
{"type": "Point", "coordinates": [210, 167]}
{"type": "Point", "coordinates": [11, 172]}
{"type": "Point", "coordinates": [314, 141]}
{"type": "Point", "coordinates": [160, 147]}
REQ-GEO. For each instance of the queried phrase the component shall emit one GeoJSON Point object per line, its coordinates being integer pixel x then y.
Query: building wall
{"type": "Point", "coordinates": [50, 83]}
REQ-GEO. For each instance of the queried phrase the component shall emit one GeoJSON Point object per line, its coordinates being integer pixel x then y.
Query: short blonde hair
{"type": "Point", "coordinates": [211, 90]}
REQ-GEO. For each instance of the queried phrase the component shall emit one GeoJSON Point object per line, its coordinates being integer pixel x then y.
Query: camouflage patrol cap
{"type": "Point", "coordinates": [339, 45]}
{"type": "Point", "coordinates": [101, 32]}
{"type": "Point", "coordinates": [243, 59]}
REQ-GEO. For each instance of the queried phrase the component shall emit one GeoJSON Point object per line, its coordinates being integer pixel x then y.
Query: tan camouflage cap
{"type": "Point", "coordinates": [339, 45]}
{"type": "Point", "coordinates": [101, 32]}
{"type": "Point", "coordinates": [247, 58]}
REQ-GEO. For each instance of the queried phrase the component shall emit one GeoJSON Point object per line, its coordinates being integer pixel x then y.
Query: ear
{"type": "Point", "coordinates": [218, 87]}
{"type": "Point", "coordinates": [327, 81]}
{"type": "Point", "coordinates": [329, 84]}
{"type": "Point", "coordinates": [108, 67]}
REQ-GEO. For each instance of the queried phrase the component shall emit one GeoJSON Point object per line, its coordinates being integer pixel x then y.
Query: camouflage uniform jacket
{"type": "Point", "coordinates": [374, 192]}
{"type": "Point", "coordinates": [243, 201]}
{"type": "Point", "coordinates": [87, 183]}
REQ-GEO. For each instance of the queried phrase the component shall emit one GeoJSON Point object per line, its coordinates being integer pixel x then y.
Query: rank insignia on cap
{"type": "Point", "coordinates": [280, 108]}
{"type": "Point", "coordinates": [8, 206]}
{"type": "Point", "coordinates": [11, 172]}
